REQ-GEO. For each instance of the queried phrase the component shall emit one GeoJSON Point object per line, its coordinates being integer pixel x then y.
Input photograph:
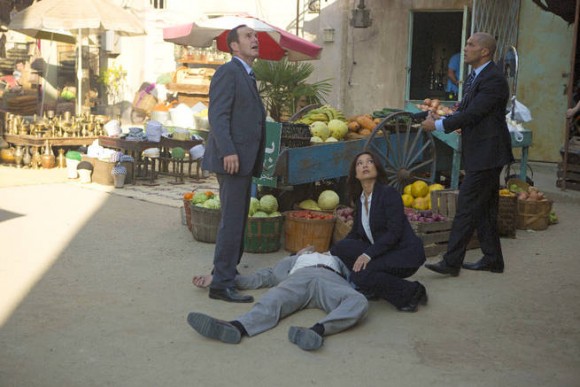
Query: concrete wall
{"type": "Point", "coordinates": [544, 48]}
{"type": "Point", "coordinates": [369, 65]}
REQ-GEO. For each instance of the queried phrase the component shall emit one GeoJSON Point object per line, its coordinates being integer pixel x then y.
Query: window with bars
{"type": "Point", "coordinates": [159, 4]}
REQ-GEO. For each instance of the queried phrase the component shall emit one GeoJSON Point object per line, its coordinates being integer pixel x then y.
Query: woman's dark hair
{"type": "Point", "coordinates": [233, 36]}
{"type": "Point", "coordinates": [353, 185]}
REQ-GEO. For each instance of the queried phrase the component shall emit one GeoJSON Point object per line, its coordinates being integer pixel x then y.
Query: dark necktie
{"type": "Point", "coordinates": [467, 91]}
{"type": "Point", "coordinates": [253, 76]}
{"type": "Point", "coordinates": [468, 82]}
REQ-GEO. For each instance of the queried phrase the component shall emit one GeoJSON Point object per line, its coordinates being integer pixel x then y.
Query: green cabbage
{"type": "Point", "coordinates": [260, 214]}
{"type": "Point", "coordinates": [213, 204]}
{"type": "Point", "coordinates": [268, 204]}
{"type": "Point", "coordinates": [328, 200]}
{"type": "Point", "coordinates": [254, 206]}
{"type": "Point", "coordinates": [199, 197]}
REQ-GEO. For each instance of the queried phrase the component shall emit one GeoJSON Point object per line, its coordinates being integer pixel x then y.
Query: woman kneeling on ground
{"type": "Point", "coordinates": [381, 249]}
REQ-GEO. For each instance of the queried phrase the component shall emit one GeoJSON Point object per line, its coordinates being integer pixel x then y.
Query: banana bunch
{"type": "Point", "coordinates": [324, 113]}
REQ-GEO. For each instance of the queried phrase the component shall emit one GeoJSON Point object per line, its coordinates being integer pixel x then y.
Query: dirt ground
{"type": "Point", "coordinates": [96, 288]}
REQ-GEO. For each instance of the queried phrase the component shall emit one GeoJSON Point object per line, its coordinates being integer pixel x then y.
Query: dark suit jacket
{"type": "Point", "coordinates": [391, 229]}
{"type": "Point", "coordinates": [485, 139]}
{"type": "Point", "coordinates": [237, 119]}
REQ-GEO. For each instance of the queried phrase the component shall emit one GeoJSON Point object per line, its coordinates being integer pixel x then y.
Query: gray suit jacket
{"type": "Point", "coordinates": [237, 119]}
{"type": "Point", "coordinates": [271, 276]}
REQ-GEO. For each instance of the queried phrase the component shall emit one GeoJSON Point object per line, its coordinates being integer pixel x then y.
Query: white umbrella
{"type": "Point", "coordinates": [80, 17]}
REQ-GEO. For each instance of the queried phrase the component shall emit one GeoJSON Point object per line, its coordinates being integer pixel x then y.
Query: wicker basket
{"type": "Point", "coordinates": [507, 216]}
{"type": "Point", "coordinates": [341, 229]}
{"type": "Point", "coordinates": [187, 210]}
{"type": "Point", "coordinates": [144, 101]}
{"type": "Point", "coordinates": [299, 233]}
{"type": "Point", "coordinates": [533, 215]}
{"type": "Point", "coordinates": [263, 234]}
{"type": "Point", "coordinates": [295, 135]}
{"type": "Point", "coordinates": [204, 223]}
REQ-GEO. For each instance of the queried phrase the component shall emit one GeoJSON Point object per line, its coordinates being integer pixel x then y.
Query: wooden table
{"type": "Point", "coordinates": [28, 140]}
{"type": "Point", "coordinates": [136, 148]}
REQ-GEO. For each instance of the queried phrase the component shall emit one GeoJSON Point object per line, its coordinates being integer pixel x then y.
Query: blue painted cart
{"type": "Point", "coordinates": [406, 151]}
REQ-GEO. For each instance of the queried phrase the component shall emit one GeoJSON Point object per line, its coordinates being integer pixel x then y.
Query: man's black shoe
{"type": "Point", "coordinates": [214, 329]}
{"type": "Point", "coordinates": [229, 295]}
{"type": "Point", "coordinates": [483, 265]}
{"type": "Point", "coordinates": [442, 267]}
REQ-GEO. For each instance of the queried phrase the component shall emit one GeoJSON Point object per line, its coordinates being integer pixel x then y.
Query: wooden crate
{"type": "Point", "coordinates": [436, 235]}
{"type": "Point", "coordinates": [572, 176]}
{"type": "Point", "coordinates": [444, 202]}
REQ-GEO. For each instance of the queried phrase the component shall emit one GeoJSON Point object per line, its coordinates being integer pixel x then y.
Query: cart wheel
{"type": "Point", "coordinates": [138, 116]}
{"type": "Point", "coordinates": [410, 151]}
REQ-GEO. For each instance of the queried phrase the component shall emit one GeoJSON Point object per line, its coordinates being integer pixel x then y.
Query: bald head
{"type": "Point", "coordinates": [479, 49]}
{"type": "Point", "coordinates": [486, 41]}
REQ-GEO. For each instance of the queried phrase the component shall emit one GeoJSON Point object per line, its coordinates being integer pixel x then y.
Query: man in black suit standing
{"type": "Point", "coordinates": [486, 148]}
{"type": "Point", "coordinates": [234, 152]}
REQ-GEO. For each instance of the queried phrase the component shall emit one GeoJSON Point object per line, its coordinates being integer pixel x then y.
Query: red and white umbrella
{"type": "Point", "coordinates": [275, 43]}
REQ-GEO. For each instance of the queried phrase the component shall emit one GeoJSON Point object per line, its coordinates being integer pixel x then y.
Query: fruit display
{"type": "Point", "coordinates": [531, 194]}
{"type": "Point", "coordinates": [362, 125]}
{"type": "Point", "coordinates": [307, 214]}
{"type": "Point", "coordinates": [324, 113]}
{"type": "Point", "coordinates": [328, 200]}
{"type": "Point", "coordinates": [417, 195]}
{"type": "Point", "coordinates": [345, 214]}
{"type": "Point", "coordinates": [435, 106]}
{"type": "Point", "coordinates": [266, 206]}
{"type": "Point", "coordinates": [206, 199]}
{"type": "Point", "coordinates": [424, 216]}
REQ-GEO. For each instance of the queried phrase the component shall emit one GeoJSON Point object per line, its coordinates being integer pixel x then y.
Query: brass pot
{"type": "Point", "coordinates": [7, 155]}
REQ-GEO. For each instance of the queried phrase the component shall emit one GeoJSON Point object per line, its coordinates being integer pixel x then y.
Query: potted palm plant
{"type": "Point", "coordinates": [282, 85]}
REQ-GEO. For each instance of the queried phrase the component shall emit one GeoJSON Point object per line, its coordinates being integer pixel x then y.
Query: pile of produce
{"type": "Point", "coordinates": [362, 124]}
{"type": "Point", "coordinates": [384, 112]}
{"type": "Point", "coordinates": [532, 194]}
{"type": "Point", "coordinates": [435, 106]}
{"type": "Point", "coordinates": [418, 195]}
{"type": "Point", "coordinates": [425, 216]}
{"type": "Point", "coordinates": [324, 113]}
{"type": "Point", "coordinates": [206, 199]}
{"type": "Point", "coordinates": [345, 214]}
{"type": "Point", "coordinates": [307, 214]}
{"type": "Point", "coordinates": [328, 200]}
{"type": "Point", "coordinates": [265, 207]}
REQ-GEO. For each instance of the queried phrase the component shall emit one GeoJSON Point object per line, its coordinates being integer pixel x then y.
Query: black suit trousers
{"type": "Point", "coordinates": [477, 209]}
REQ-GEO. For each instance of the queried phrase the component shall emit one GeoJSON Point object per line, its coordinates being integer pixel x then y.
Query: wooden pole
{"type": "Point", "coordinates": [571, 87]}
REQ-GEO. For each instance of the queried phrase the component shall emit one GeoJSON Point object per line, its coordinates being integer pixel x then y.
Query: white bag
{"type": "Point", "coordinates": [519, 112]}
{"type": "Point", "coordinates": [514, 127]}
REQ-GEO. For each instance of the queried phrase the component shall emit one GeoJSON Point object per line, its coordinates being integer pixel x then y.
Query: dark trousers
{"type": "Point", "coordinates": [381, 277]}
{"type": "Point", "coordinates": [235, 203]}
{"type": "Point", "coordinates": [476, 210]}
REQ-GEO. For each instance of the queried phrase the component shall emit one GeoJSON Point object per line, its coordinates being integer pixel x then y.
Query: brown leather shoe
{"type": "Point", "coordinates": [229, 295]}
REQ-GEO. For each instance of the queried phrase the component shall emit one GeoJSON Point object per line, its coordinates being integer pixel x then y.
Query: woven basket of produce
{"type": "Point", "coordinates": [305, 227]}
{"type": "Point", "coordinates": [344, 220]}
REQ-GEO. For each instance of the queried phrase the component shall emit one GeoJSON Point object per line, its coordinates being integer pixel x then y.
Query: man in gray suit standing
{"type": "Point", "coordinates": [305, 280]}
{"type": "Point", "coordinates": [234, 152]}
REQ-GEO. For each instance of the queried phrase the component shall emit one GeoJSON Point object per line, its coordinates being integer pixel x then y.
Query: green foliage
{"type": "Point", "coordinates": [283, 83]}
{"type": "Point", "coordinates": [114, 78]}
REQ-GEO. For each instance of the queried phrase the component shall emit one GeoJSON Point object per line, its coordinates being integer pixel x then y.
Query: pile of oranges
{"type": "Point", "coordinates": [418, 195]}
